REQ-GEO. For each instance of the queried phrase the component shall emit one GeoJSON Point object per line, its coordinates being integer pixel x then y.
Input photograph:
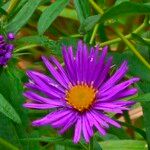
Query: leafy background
{"type": "Point", "coordinates": [41, 28]}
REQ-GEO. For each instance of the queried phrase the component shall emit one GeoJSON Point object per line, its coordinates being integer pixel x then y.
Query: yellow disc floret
{"type": "Point", "coordinates": [81, 96]}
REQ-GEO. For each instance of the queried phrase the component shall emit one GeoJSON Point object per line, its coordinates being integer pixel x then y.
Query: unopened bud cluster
{"type": "Point", "coordinates": [6, 48]}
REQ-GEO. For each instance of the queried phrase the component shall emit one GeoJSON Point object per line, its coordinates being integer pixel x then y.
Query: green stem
{"type": "Point", "coordinates": [96, 7]}
{"type": "Point", "coordinates": [140, 28]}
{"type": "Point", "coordinates": [12, 4]}
{"type": "Point", "coordinates": [83, 146]}
{"type": "Point", "coordinates": [100, 11]}
{"type": "Point", "coordinates": [146, 39]}
{"type": "Point", "coordinates": [128, 121]}
{"type": "Point", "coordinates": [91, 144]}
{"type": "Point", "coordinates": [7, 145]}
{"type": "Point", "coordinates": [25, 47]}
{"type": "Point", "coordinates": [94, 33]}
{"type": "Point", "coordinates": [131, 46]}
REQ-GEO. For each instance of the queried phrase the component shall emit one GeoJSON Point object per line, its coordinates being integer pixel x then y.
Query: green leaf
{"type": "Point", "coordinates": [96, 145]}
{"type": "Point", "coordinates": [66, 13]}
{"type": "Point", "coordinates": [50, 14]}
{"type": "Point", "coordinates": [143, 98]}
{"type": "Point", "coordinates": [145, 88]}
{"type": "Point", "coordinates": [124, 145]}
{"type": "Point", "coordinates": [89, 23]}
{"type": "Point", "coordinates": [120, 1]}
{"type": "Point", "coordinates": [45, 139]}
{"type": "Point", "coordinates": [118, 132]}
{"type": "Point", "coordinates": [22, 16]}
{"type": "Point", "coordinates": [136, 129]}
{"type": "Point", "coordinates": [11, 88]}
{"type": "Point", "coordinates": [146, 112]}
{"type": "Point", "coordinates": [36, 40]}
{"type": "Point", "coordinates": [126, 8]}
{"type": "Point", "coordinates": [140, 39]}
{"type": "Point", "coordinates": [82, 8]}
{"type": "Point", "coordinates": [7, 130]}
{"type": "Point", "coordinates": [2, 12]}
{"type": "Point", "coordinates": [6, 145]}
{"type": "Point", "coordinates": [143, 44]}
{"type": "Point", "coordinates": [8, 110]}
{"type": "Point", "coordinates": [69, 14]}
{"type": "Point", "coordinates": [136, 68]}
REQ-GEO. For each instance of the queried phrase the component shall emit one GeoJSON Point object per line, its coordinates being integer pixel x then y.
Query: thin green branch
{"type": "Point", "coordinates": [12, 4]}
{"type": "Point", "coordinates": [139, 29]}
{"type": "Point", "coordinates": [7, 145]}
{"type": "Point", "coordinates": [83, 146]}
{"type": "Point", "coordinates": [91, 144]}
{"type": "Point", "coordinates": [131, 46]}
{"type": "Point", "coordinates": [25, 47]}
{"type": "Point", "coordinates": [94, 33]}
{"type": "Point", "coordinates": [96, 7]}
{"type": "Point", "coordinates": [100, 11]}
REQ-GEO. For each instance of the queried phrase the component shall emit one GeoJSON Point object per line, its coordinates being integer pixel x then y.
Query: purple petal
{"type": "Point", "coordinates": [62, 71]}
{"type": "Point", "coordinates": [78, 63]}
{"type": "Point", "coordinates": [68, 124]}
{"type": "Point", "coordinates": [62, 122]}
{"type": "Point", "coordinates": [77, 132]}
{"type": "Point", "coordinates": [127, 93]}
{"type": "Point", "coordinates": [51, 93]}
{"type": "Point", "coordinates": [118, 88]}
{"type": "Point", "coordinates": [108, 109]}
{"type": "Point", "coordinates": [35, 97]}
{"type": "Point", "coordinates": [116, 77]}
{"type": "Point", "coordinates": [92, 64]}
{"type": "Point", "coordinates": [100, 64]}
{"type": "Point", "coordinates": [85, 130]}
{"type": "Point", "coordinates": [69, 64]}
{"type": "Point", "coordinates": [40, 106]}
{"type": "Point", "coordinates": [88, 125]}
{"type": "Point", "coordinates": [54, 72]}
{"type": "Point", "coordinates": [110, 121]}
{"type": "Point", "coordinates": [48, 81]}
{"type": "Point", "coordinates": [98, 119]}
{"type": "Point", "coordinates": [54, 116]}
{"type": "Point", "coordinates": [85, 63]}
{"type": "Point", "coordinates": [96, 124]}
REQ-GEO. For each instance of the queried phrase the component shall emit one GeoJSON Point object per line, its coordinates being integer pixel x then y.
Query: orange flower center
{"type": "Point", "coordinates": [81, 97]}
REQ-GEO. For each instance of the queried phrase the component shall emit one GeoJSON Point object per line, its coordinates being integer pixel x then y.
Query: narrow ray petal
{"type": "Point", "coordinates": [69, 124]}
{"type": "Point", "coordinates": [54, 72]}
{"type": "Point", "coordinates": [119, 74]}
{"type": "Point", "coordinates": [77, 132]}
{"type": "Point", "coordinates": [85, 130]}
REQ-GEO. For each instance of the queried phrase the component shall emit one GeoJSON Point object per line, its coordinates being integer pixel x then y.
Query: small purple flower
{"type": "Point", "coordinates": [6, 48]}
{"type": "Point", "coordinates": [10, 36]}
{"type": "Point", "coordinates": [80, 94]}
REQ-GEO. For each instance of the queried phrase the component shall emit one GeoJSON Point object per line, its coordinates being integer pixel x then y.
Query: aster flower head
{"type": "Point", "coordinates": [6, 48]}
{"type": "Point", "coordinates": [81, 93]}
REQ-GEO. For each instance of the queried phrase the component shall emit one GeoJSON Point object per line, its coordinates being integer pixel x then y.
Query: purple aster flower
{"type": "Point", "coordinates": [81, 93]}
{"type": "Point", "coordinates": [6, 48]}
